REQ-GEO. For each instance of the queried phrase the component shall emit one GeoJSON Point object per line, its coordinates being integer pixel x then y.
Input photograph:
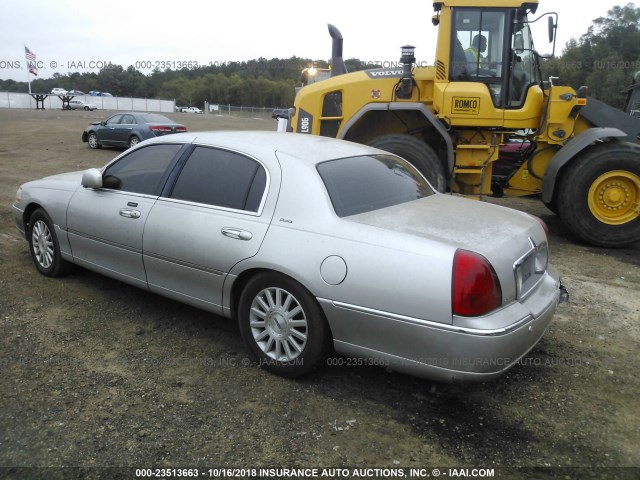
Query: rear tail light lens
{"type": "Point", "coordinates": [160, 128]}
{"type": "Point", "coordinates": [475, 288]}
{"type": "Point", "coordinates": [181, 129]}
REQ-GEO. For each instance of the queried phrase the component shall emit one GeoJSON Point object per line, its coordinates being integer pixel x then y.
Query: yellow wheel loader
{"type": "Point", "coordinates": [482, 120]}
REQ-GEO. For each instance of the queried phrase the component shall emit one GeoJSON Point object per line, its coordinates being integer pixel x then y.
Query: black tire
{"type": "Point", "coordinates": [92, 140]}
{"type": "Point", "coordinates": [599, 195]}
{"type": "Point", "coordinates": [133, 141]}
{"type": "Point", "coordinates": [552, 205]}
{"type": "Point", "coordinates": [418, 153]}
{"type": "Point", "coordinates": [44, 246]}
{"type": "Point", "coordinates": [283, 325]}
{"type": "Point", "coordinates": [86, 109]}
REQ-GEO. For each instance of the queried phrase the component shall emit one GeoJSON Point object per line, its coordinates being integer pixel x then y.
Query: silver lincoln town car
{"type": "Point", "coordinates": [311, 244]}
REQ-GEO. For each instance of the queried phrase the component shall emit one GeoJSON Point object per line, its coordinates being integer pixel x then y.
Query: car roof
{"type": "Point", "coordinates": [310, 148]}
{"type": "Point", "coordinates": [140, 114]}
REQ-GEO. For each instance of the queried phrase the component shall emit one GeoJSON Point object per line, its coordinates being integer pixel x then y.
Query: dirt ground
{"type": "Point", "coordinates": [96, 373]}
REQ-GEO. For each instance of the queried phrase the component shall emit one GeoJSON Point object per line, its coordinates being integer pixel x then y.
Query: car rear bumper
{"type": "Point", "coordinates": [480, 350]}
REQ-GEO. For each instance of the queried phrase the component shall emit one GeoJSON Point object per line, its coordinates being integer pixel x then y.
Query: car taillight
{"type": "Point", "coordinates": [160, 128]}
{"type": "Point", "coordinates": [181, 129]}
{"type": "Point", "coordinates": [475, 288]}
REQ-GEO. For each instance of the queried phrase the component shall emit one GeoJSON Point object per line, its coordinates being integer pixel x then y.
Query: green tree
{"type": "Point", "coordinates": [604, 58]}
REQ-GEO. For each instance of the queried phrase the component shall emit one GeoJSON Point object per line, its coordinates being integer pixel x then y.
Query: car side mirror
{"type": "Point", "coordinates": [92, 178]}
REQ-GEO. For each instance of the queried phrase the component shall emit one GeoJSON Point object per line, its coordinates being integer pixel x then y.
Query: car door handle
{"type": "Point", "coordinates": [129, 213]}
{"type": "Point", "coordinates": [237, 234]}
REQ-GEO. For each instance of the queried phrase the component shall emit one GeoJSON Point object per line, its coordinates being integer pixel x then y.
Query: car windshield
{"type": "Point", "coordinates": [155, 118]}
{"type": "Point", "coordinates": [366, 183]}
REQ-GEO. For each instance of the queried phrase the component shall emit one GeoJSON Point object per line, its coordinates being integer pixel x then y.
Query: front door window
{"type": "Point", "coordinates": [524, 69]}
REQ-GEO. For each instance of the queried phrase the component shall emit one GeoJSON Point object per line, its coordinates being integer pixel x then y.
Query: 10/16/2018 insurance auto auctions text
{"type": "Point", "coordinates": [314, 472]}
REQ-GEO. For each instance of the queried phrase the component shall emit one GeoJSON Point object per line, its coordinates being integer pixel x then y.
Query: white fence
{"type": "Point", "coordinates": [52, 102]}
{"type": "Point", "coordinates": [233, 111]}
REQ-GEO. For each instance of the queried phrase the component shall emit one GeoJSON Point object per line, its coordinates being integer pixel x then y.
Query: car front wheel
{"type": "Point", "coordinates": [44, 246]}
{"type": "Point", "coordinates": [92, 140]}
{"type": "Point", "coordinates": [282, 325]}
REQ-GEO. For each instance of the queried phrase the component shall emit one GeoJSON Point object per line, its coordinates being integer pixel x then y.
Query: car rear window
{"type": "Point", "coordinates": [366, 183]}
{"type": "Point", "coordinates": [155, 118]}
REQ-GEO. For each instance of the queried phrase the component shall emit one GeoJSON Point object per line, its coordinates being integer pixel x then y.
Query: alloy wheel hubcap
{"type": "Point", "coordinates": [278, 324]}
{"type": "Point", "coordinates": [42, 244]}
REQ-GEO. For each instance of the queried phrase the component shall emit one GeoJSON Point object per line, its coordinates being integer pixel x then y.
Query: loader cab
{"type": "Point", "coordinates": [493, 46]}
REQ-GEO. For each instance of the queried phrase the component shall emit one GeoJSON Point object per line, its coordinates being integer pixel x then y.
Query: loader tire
{"type": "Point", "coordinates": [599, 195]}
{"type": "Point", "coordinates": [417, 153]}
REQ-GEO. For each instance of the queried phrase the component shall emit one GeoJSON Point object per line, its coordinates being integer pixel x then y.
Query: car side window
{"type": "Point", "coordinates": [114, 120]}
{"type": "Point", "coordinates": [142, 170]}
{"type": "Point", "coordinates": [221, 178]}
{"type": "Point", "coordinates": [127, 120]}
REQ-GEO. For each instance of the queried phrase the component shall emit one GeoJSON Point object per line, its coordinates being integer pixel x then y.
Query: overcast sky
{"type": "Point", "coordinates": [69, 36]}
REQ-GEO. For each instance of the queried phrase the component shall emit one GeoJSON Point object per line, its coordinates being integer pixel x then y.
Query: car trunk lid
{"type": "Point", "coordinates": [505, 237]}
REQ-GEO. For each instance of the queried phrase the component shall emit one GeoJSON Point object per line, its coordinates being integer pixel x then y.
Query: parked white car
{"type": "Point", "coordinates": [192, 110]}
{"type": "Point", "coordinates": [81, 105]}
{"type": "Point", "coordinates": [58, 91]}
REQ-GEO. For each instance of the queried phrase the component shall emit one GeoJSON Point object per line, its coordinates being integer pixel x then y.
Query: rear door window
{"type": "Point", "coordinates": [221, 178]}
{"type": "Point", "coordinates": [127, 120]}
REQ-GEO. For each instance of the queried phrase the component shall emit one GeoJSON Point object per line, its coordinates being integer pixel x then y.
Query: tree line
{"type": "Point", "coordinates": [259, 83]}
{"type": "Point", "coordinates": [604, 58]}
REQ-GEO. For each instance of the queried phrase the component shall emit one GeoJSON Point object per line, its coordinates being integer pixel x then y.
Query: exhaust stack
{"type": "Point", "coordinates": [337, 62]}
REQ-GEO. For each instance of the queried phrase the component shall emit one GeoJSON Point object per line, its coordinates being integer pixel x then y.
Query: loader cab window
{"type": "Point", "coordinates": [524, 70]}
{"type": "Point", "coordinates": [478, 53]}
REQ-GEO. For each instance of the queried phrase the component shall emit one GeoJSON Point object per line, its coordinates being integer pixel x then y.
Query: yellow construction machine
{"type": "Point", "coordinates": [482, 120]}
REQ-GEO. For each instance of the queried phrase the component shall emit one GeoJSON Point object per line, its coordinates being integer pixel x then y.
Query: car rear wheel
{"type": "Point", "coordinates": [133, 141]}
{"type": "Point", "coordinates": [92, 140]}
{"type": "Point", "coordinates": [86, 108]}
{"type": "Point", "coordinates": [44, 246]}
{"type": "Point", "coordinates": [282, 325]}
